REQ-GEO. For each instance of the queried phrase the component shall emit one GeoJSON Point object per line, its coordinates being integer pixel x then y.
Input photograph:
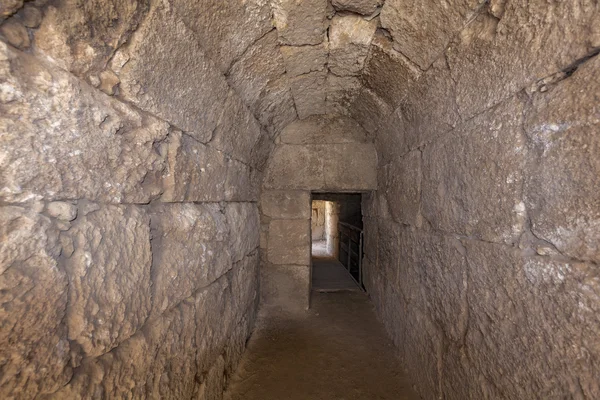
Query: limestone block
{"type": "Point", "coordinates": [541, 321]}
{"type": "Point", "coordinates": [34, 350]}
{"type": "Point", "coordinates": [64, 140]}
{"type": "Point", "coordinates": [300, 60]}
{"type": "Point", "coordinates": [82, 38]}
{"type": "Point", "coordinates": [490, 61]}
{"type": "Point", "coordinates": [30, 16]}
{"type": "Point", "coordinates": [369, 110]}
{"type": "Point", "coordinates": [261, 64]}
{"type": "Point", "coordinates": [237, 131]}
{"type": "Point", "coordinates": [404, 188]}
{"type": "Point", "coordinates": [293, 167]}
{"type": "Point", "coordinates": [390, 140]}
{"type": "Point", "coordinates": [341, 91]}
{"type": "Point", "coordinates": [213, 384]}
{"type": "Point", "coordinates": [201, 173]}
{"type": "Point", "coordinates": [164, 47]}
{"type": "Point", "coordinates": [244, 225]}
{"type": "Point", "coordinates": [244, 285]}
{"type": "Point", "coordinates": [422, 29]}
{"type": "Point", "coordinates": [62, 210]}
{"type": "Point", "coordinates": [349, 40]}
{"type": "Point", "coordinates": [275, 106]}
{"type": "Point", "coordinates": [225, 29]}
{"type": "Point", "coordinates": [365, 7]}
{"type": "Point", "coordinates": [259, 156]}
{"type": "Point", "coordinates": [285, 288]}
{"type": "Point", "coordinates": [9, 7]}
{"type": "Point", "coordinates": [388, 73]}
{"type": "Point", "coordinates": [289, 242]}
{"type": "Point", "coordinates": [323, 129]}
{"type": "Point", "coordinates": [15, 33]}
{"type": "Point", "coordinates": [473, 180]}
{"type": "Point", "coordinates": [309, 93]}
{"type": "Point", "coordinates": [107, 302]}
{"type": "Point", "coordinates": [237, 343]}
{"type": "Point", "coordinates": [563, 185]}
{"type": "Point", "coordinates": [285, 204]}
{"type": "Point", "coordinates": [190, 250]}
{"type": "Point", "coordinates": [430, 109]}
{"type": "Point", "coordinates": [300, 23]}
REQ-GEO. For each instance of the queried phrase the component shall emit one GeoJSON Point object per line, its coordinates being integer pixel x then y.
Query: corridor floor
{"type": "Point", "coordinates": [336, 351]}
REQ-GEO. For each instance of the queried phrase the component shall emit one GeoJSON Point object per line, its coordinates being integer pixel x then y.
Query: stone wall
{"type": "Point", "coordinates": [481, 246]}
{"type": "Point", "coordinates": [319, 153]}
{"type": "Point", "coordinates": [129, 180]}
{"type": "Point", "coordinates": [317, 221]}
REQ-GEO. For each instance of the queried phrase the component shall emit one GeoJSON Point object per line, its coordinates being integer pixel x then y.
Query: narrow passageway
{"type": "Point", "coordinates": [336, 350]}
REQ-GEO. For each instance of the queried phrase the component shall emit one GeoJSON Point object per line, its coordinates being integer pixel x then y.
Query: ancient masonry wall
{"type": "Point", "coordinates": [129, 177]}
{"type": "Point", "coordinates": [482, 240]}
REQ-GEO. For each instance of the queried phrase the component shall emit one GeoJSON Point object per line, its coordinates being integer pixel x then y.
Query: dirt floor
{"type": "Point", "coordinates": [336, 351]}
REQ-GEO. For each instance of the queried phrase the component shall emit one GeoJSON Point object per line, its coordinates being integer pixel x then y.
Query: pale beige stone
{"type": "Point", "coordinates": [107, 304]}
{"type": "Point", "coordinates": [300, 23]}
{"type": "Point", "coordinates": [9, 7]}
{"type": "Point", "coordinates": [15, 33]}
{"type": "Point", "coordinates": [349, 40]}
{"type": "Point", "coordinates": [369, 110]}
{"type": "Point", "coordinates": [60, 139]}
{"type": "Point", "coordinates": [286, 204]}
{"type": "Point", "coordinates": [404, 188]}
{"type": "Point", "coordinates": [244, 223]}
{"type": "Point", "coordinates": [62, 210]}
{"type": "Point", "coordinates": [301, 60]}
{"type": "Point", "coordinates": [341, 91]}
{"type": "Point", "coordinates": [285, 288]}
{"type": "Point", "coordinates": [309, 93]}
{"type": "Point", "coordinates": [365, 7]}
{"type": "Point", "coordinates": [323, 129]}
{"type": "Point", "coordinates": [289, 242]}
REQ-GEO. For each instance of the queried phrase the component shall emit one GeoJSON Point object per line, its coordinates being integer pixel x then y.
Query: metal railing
{"type": "Point", "coordinates": [350, 251]}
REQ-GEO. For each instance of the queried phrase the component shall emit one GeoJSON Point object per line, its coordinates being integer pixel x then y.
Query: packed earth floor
{"type": "Point", "coordinates": [336, 350]}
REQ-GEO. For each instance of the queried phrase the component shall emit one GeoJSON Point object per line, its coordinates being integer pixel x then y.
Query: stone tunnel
{"type": "Point", "coordinates": [158, 160]}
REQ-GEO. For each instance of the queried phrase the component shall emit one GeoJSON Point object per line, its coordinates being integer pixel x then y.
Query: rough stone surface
{"type": "Point", "coordinates": [289, 242]}
{"type": "Point", "coordinates": [45, 155]}
{"type": "Point", "coordinates": [369, 109]}
{"type": "Point", "coordinates": [300, 60]}
{"type": "Point", "coordinates": [275, 108]}
{"type": "Point", "coordinates": [15, 33]}
{"type": "Point", "coordinates": [286, 204]}
{"type": "Point", "coordinates": [9, 7]}
{"type": "Point", "coordinates": [473, 179]}
{"type": "Point", "coordinates": [404, 188]}
{"type": "Point", "coordinates": [325, 129]}
{"type": "Point", "coordinates": [365, 7]}
{"type": "Point", "coordinates": [561, 191]}
{"type": "Point", "coordinates": [422, 29]}
{"type": "Point", "coordinates": [309, 93]}
{"type": "Point", "coordinates": [285, 288]}
{"type": "Point", "coordinates": [300, 23]}
{"type": "Point", "coordinates": [190, 250]}
{"type": "Point", "coordinates": [349, 40]}
{"type": "Point", "coordinates": [244, 223]}
{"type": "Point", "coordinates": [34, 350]}
{"type": "Point", "coordinates": [340, 93]}
{"type": "Point", "coordinates": [107, 306]}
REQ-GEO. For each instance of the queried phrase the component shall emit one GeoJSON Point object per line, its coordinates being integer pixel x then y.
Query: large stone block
{"type": "Point", "coordinates": [564, 180]}
{"type": "Point", "coordinates": [349, 40]}
{"type": "Point", "coordinates": [473, 179]}
{"type": "Point", "coordinates": [196, 93]}
{"type": "Point", "coordinates": [512, 45]}
{"type": "Point", "coordinates": [341, 91]}
{"type": "Point", "coordinates": [275, 107]}
{"type": "Point", "coordinates": [323, 129]}
{"type": "Point", "coordinates": [225, 29]}
{"type": "Point", "coordinates": [82, 38]}
{"type": "Point", "coordinates": [422, 29]}
{"type": "Point", "coordinates": [369, 110]}
{"type": "Point", "coordinates": [536, 315]}
{"type": "Point", "coordinates": [244, 227]}
{"type": "Point", "coordinates": [64, 140]}
{"type": "Point", "coordinates": [365, 7]}
{"type": "Point", "coordinates": [285, 288]}
{"type": "Point", "coordinates": [404, 188]}
{"type": "Point", "coordinates": [285, 204]}
{"type": "Point", "coordinates": [190, 250]}
{"type": "Point", "coordinates": [309, 93]}
{"type": "Point", "coordinates": [34, 350]}
{"type": "Point", "coordinates": [391, 138]}
{"type": "Point", "coordinates": [300, 60]}
{"type": "Point", "coordinates": [108, 302]}
{"type": "Point", "coordinates": [289, 242]}
{"type": "Point", "coordinates": [387, 72]}
{"type": "Point", "coordinates": [300, 23]}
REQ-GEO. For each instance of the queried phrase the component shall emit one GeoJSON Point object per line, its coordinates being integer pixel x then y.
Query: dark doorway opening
{"type": "Point", "coordinates": [336, 233]}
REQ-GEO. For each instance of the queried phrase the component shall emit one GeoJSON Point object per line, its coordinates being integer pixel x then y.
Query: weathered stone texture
{"type": "Point", "coordinates": [323, 129]}
{"type": "Point", "coordinates": [301, 60]}
{"type": "Point", "coordinates": [107, 304]}
{"type": "Point", "coordinates": [422, 29]}
{"type": "Point", "coordinates": [404, 188]}
{"type": "Point", "coordinates": [512, 45]}
{"type": "Point", "coordinates": [172, 49]}
{"type": "Point", "coordinates": [289, 242]}
{"type": "Point", "coordinates": [473, 179]}
{"type": "Point", "coordinates": [365, 7]}
{"type": "Point", "coordinates": [63, 140]}
{"type": "Point", "coordinates": [341, 91]}
{"type": "Point", "coordinates": [34, 350]}
{"type": "Point", "coordinates": [349, 40]}
{"type": "Point", "coordinates": [309, 93]}
{"type": "Point", "coordinates": [563, 185]}
{"type": "Point", "coordinates": [190, 250]}
{"type": "Point", "coordinates": [369, 110]}
{"type": "Point", "coordinates": [286, 204]}
{"type": "Point", "coordinates": [285, 288]}
{"type": "Point", "coordinates": [244, 223]}
{"type": "Point", "coordinates": [300, 23]}
{"type": "Point", "coordinates": [225, 29]}
{"type": "Point", "coordinates": [275, 107]}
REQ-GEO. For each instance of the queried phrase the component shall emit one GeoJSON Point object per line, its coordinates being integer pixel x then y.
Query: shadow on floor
{"type": "Point", "coordinates": [336, 350]}
{"type": "Point", "coordinates": [329, 275]}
